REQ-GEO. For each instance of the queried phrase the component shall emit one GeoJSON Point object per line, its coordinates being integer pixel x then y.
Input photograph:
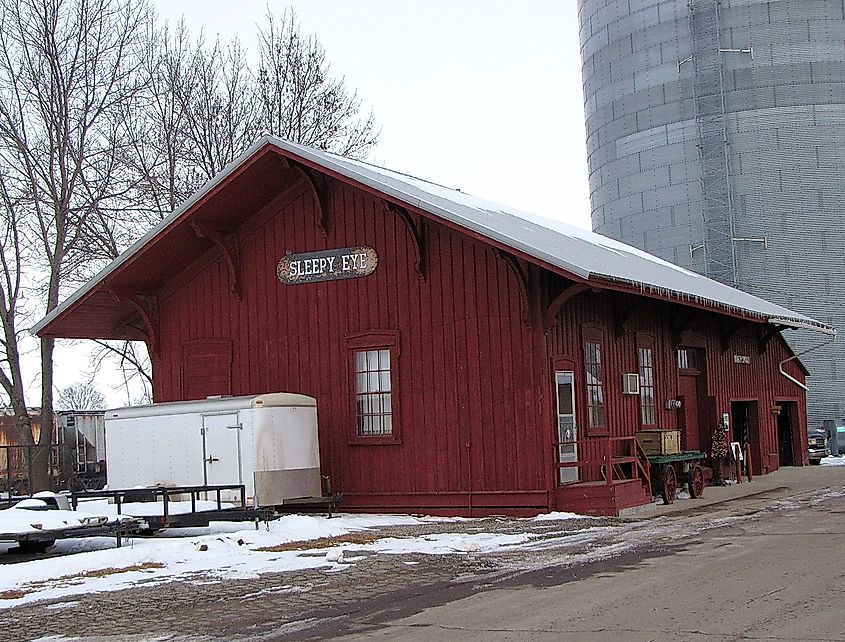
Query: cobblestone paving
{"type": "Point", "coordinates": [282, 605]}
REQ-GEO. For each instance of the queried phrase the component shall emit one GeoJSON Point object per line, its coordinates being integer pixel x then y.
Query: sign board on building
{"type": "Point", "coordinates": [327, 265]}
{"type": "Point", "coordinates": [742, 358]}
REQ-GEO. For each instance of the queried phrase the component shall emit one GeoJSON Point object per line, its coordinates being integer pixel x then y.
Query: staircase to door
{"type": "Point", "coordinates": [613, 474]}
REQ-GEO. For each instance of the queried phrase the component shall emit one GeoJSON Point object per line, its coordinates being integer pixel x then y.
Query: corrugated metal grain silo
{"type": "Point", "coordinates": [716, 140]}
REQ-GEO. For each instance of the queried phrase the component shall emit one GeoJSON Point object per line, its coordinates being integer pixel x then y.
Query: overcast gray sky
{"type": "Point", "coordinates": [484, 96]}
{"type": "Point", "coordinates": [480, 95]}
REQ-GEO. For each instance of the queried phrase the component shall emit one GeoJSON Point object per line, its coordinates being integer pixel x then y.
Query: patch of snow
{"type": "Point", "coordinates": [146, 509]}
{"type": "Point", "coordinates": [557, 516]}
{"type": "Point", "coordinates": [213, 556]}
{"type": "Point", "coordinates": [833, 461]}
{"type": "Point", "coordinates": [61, 605]}
{"type": "Point", "coordinates": [21, 520]}
{"type": "Point", "coordinates": [446, 543]}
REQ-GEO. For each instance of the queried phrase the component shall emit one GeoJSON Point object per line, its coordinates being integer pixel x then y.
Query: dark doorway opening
{"type": "Point", "coordinates": [787, 432]}
{"type": "Point", "coordinates": [746, 430]}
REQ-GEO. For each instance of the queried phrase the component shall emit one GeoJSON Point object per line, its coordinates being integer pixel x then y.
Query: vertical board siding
{"type": "Point", "coordinates": [464, 366]}
{"type": "Point", "coordinates": [725, 380]}
{"type": "Point", "coordinates": [473, 377]}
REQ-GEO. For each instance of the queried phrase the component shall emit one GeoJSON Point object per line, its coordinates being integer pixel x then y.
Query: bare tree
{"type": "Point", "coordinates": [65, 68]}
{"type": "Point", "coordinates": [107, 123]}
{"type": "Point", "coordinates": [219, 100]}
{"type": "Point", "coordinates": [81, 396]}
{"type": "Point", "coordinates": [11, 284]}
{"type": "Point", "coordinates": [202, 106]}
{"type": "Point", "coordinates": [300, 100]}
{"type": "Point", "coordinates": [157, 123]}
{"type": "Point", "coordinates": [133, 363]}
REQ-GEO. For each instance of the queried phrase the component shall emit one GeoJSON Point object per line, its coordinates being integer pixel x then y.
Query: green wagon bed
{"type": "Point", "coordinates": [678, 468]}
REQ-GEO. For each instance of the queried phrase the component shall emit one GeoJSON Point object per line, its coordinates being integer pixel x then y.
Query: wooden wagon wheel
{"type": "Point", "coordinates": [670, 483]}
{"type": "Point", "coordinates": [696, 481]}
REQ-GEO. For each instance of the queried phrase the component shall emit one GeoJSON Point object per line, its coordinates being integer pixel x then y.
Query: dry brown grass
{"type": "Point", "coordinates": [32, 587]}
{"type": "Point", "coordinates": [103, 572]}
{"type": "Point", "coordinates": [323, 542]}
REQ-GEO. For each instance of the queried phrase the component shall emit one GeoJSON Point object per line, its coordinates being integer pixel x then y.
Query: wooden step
{"type": "Point", "coordinates": [600, 498]}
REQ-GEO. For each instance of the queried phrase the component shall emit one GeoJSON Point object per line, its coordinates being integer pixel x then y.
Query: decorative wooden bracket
{"type": "Point", "coordinates": [146, 308]}
{"type": "Point", "coordinates": [768, 335]}
{"type": "Point", "coordinates": [417, 230]}
{"type": "Point", "coordinates": [550, 315]}
{"type": "Point", "coordinates": [524, 281]}
{"type": "Point", "coordinates": [680, 327]}
{"type": "Point", "coordinates": [319, 187]}
{"type": "Point", "coordinates": [729, 333]}
{"type": "Point", "coordinates": [215, 235]}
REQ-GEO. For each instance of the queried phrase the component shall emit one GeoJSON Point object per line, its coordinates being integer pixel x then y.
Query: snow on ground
{"type": "Point", "coordinates": [833, 461]}
{"type": "Point", "coordinates": [222, 551]}
{"type": "Point", "coordinates": [557, 516]}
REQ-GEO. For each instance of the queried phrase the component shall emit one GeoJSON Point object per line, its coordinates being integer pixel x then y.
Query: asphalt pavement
{"type": "Point", "coordinates": [752, 561]}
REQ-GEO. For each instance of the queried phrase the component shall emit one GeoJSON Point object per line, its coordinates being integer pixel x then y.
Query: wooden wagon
{"type": "Point", "coordinates": [670, 471]}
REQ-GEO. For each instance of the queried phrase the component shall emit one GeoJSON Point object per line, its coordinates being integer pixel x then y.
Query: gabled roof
{"type": "Point", "coordinates": [576, 252]}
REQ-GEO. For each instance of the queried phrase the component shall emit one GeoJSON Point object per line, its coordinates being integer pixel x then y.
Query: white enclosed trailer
{"type": "Point", "coordinates": [267, 442]}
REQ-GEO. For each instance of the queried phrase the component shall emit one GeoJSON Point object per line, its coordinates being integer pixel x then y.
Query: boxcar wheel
{"type": "Point", "coordinates": [696, 482]}
{"type": "Point", "coordinates": [670, 483]}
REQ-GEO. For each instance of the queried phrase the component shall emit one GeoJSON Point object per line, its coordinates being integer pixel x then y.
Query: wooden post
{"type": "Point", "coordinates": [738, 464]}
{"type": "Point", "coordinates": [748, 472]}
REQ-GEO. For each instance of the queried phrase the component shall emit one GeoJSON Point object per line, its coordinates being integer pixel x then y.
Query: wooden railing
{"type": "Point", "coordinates": [607, 459]}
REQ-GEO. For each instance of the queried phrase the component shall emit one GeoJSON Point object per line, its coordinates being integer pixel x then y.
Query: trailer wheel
{"type": "Point", "coordinates": [670, 483]}
{"type": "Point", "coordinates": [696, 482]}
{"type": "Point", "coordinates": [35, 546]}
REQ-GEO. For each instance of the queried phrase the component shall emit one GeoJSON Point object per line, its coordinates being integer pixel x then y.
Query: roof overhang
{"type": "Point", "coordinates": [102, 307]}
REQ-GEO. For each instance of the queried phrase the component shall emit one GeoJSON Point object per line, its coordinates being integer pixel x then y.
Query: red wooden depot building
{"type": "Point", "coordinates": [452, 344]}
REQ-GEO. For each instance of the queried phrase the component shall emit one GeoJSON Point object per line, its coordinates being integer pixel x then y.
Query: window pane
{"type": "Point", "coordinates": [374, 405]}
{"type": "Point", "coordinates": [648, 411]}
{"type": "Point", "coordinates": [595, 391]}
{"type": "Point", "coordinates": [372, 382]}
{"type": "Point", "coordinates": [564, 396]}
{"type": "Point", "coordinates": [372, 360]}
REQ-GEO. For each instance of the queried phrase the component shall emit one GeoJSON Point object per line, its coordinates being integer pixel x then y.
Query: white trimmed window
{"type": "Point", "coordinates": [373, 393]}
{"type": "Point", "coordinates": [648, 406]}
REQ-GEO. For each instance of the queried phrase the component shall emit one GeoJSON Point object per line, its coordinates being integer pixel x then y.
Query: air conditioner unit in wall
{"type": "Point", "coordinates": [630, 383]}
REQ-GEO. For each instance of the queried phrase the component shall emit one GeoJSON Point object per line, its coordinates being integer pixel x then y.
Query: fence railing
{"type": "Point", "coordinates": [606, 459]}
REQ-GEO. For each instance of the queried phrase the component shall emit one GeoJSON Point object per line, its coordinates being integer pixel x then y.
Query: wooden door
{"type": "Point", "coordinates": [690, 424]}
{"type": "Point", "coordinates": [567, 428]}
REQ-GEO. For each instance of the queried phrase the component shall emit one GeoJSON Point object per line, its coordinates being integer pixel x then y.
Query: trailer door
{"type": "Point", "coordinates": [222, 450]}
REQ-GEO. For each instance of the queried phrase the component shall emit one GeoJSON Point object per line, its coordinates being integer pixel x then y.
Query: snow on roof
{"type": "Point", "coordinates": [584, 254]}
